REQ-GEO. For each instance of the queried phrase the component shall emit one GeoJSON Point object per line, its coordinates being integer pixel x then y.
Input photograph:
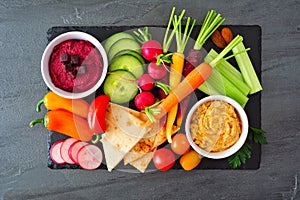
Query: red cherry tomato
{"type": "Point", "coordinates": [180, 144]}
{"type": "Point", "coordinates": [163, 159]}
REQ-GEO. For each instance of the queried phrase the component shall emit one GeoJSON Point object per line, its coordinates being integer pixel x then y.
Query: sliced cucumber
{"type": "Point", "coordinates": [130, 52]}
{"type": "Point", "coordinates": [123, 44]}
{"type": "Point", "coordinates": [128, 63]}
{"type": "Point", "coordinates": [120, 86]}
{"type": "Point", "coordinates": [115, 37]}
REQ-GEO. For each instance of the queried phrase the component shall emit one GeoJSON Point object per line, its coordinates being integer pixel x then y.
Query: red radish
{"type": "Point", "coordinates": [90, 157]}
{"type": "Point", "coordinates": [146, 82]}
{"type": "Point", "coordinates": [157, 71]}
{"type": "Point", "coordinates": [64, 150]}
{"type": "Point", "coordinates": [55, 153]}
{"type": "Point", "coordinates": [74, 149]}
{"type": "Point", "coordinates": [143, 100]}
{"type": "Point", "coordinates": [151, 49]}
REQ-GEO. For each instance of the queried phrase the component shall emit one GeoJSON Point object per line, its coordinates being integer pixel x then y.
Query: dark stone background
{"type": "Point", "coordinates": [23, 151]}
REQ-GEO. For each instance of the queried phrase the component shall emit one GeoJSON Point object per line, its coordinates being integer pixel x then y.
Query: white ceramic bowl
{"type": "Point", "coordinates": [231, 150]}
{"type": "Point", "coordinates": [72, 35]}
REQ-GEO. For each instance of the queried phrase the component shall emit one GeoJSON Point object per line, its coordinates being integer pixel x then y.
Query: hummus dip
{"type": "Point", "coordinates": [80, 75]}
{"type": "Point", "coordinates": [215, 126]}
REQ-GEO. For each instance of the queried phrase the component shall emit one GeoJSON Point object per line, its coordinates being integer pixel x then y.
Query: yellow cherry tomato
{"type": "Point", "coordinates": [190, 160]}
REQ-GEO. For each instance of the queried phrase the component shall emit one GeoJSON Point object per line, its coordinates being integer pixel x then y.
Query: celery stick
{"type": "Point", "coordinates": [218, 84]}
{"type": "Point", "coordinates": [208, 89]}
{"type": "Point", "coordinates": [230, 72]}
{"type": "Point", "coordinates": [247, 68]}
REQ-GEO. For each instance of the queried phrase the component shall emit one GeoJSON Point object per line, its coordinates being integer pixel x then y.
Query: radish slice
{"type": "Point", "coordinates": [64, 150]}
{"type": "Point", "coordinates": [74, 149]}
{"type": "Point", "coordinates": [90, 157]}
{"type": "Point", "coordinates": [55, 153]}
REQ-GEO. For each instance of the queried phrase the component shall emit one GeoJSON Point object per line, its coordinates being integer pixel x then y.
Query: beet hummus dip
{"type": "Point", "coordinates": [75, 65]}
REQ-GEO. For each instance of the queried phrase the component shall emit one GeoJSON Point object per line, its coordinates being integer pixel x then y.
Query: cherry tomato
{"type": "Point", "coordinates": [163, 159]}
{"type": "Point", "coordinates": [190, 160]}
{"type": "Point", "coordinates": [180, 144]}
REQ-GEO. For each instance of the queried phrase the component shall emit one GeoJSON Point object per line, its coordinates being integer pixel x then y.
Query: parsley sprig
{"type": "Point", "coordinates": [256, 135]}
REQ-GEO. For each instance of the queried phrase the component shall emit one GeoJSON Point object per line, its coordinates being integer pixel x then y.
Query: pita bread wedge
{"type": "Point", "coordinates": [140, 154]}
{"type": "Point", "coordinates": [161, 137]}
{"type": "Point", "coordinates": [123, 131]}
{"type": "Point", "coordinates": [144, 145]}
{"type": "Point", "coordinates": [142, 163]}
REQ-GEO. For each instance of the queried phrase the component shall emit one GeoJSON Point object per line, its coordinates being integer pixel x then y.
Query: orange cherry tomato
{"type": "Point", "coordinates": [190, 160]}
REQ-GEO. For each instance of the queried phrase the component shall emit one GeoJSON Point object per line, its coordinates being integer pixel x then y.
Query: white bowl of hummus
{"type": "Point", "coordinates": [216, 127]}
{"type": "Point", "coordinates": [74, 65]}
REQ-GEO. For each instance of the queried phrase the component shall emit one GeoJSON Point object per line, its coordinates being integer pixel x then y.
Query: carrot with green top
{"type": "Point", "coordinates": [211, 22]}
{"type": "Point", "coordinates": [176, 67]}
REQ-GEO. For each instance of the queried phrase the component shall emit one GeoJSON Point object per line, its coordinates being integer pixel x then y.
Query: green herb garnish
{"type": "Point", "coordinates": [256, 135]}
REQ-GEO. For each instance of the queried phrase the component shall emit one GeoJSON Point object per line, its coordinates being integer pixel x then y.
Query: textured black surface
{"type": "Point", "coordinates": [252, 39]}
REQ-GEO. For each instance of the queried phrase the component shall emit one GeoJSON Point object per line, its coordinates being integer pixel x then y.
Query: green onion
{"type": "Point", "coordinates": [247, 68]}
{"type": "Point", "coordinates": [211, 22]}
{"type": "Point", "coordinates": [230, 72]}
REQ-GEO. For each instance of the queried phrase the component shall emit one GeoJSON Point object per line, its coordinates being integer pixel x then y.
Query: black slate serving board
{"type": "Point", "coordinates": [252, 39]}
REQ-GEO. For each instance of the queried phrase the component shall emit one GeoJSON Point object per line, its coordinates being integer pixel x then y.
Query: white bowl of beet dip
{"type": "Point", "coordinates": [74, 65]}
{"type": "Point", "coordinates": [216, 127]}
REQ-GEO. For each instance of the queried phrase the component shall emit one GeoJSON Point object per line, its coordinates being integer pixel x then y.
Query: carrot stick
{"type": "Point", "coordinates": [174, 79]}
{"type": "Point", "coordinates": [176, 69]}
{"type": "Point", "coordinates": [192, 81]}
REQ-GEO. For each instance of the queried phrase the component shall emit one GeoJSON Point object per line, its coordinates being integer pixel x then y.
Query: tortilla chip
{"type": "Point", "coordinates": [123, 131]}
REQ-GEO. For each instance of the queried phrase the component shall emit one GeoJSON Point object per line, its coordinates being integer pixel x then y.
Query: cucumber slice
{"type": "Point", "coordinates": [119, 86]}
{"type": "Point", "coordinates": [123, 44]}
{"type": "Point", "coordinates": [115, 37]}
{"type": "Point", "coordinates": [130, 52]}
{"type": "Point", "coordinates": [128, 63]}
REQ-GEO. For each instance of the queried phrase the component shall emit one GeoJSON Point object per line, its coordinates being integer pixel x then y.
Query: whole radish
{"type": "Point", "coordinates": [151, 49]}
{"type": "Point", "coordinates": [157, 71]}
{"type": "Point", "coordinates": [143, 100]}
{"type": "Point", "coordinates": [146, 82]}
